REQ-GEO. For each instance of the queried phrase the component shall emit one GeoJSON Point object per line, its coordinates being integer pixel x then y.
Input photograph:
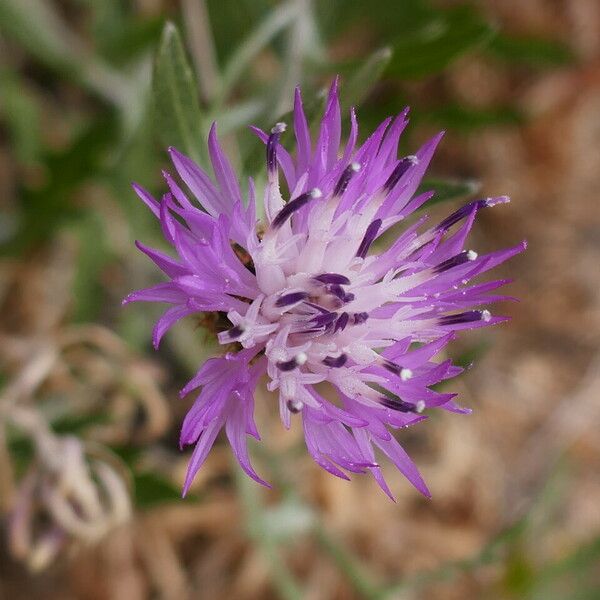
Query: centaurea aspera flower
{"type": "Point", "coordinates": [309, 300]}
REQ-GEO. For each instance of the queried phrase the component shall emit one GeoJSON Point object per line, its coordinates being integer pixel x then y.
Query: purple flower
{"type": "Point", "coordinates": [311, 298]}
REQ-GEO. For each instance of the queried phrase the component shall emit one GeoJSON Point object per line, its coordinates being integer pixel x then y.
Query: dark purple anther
{"type": "Point", "coordinates": [341, 323]}
{"type": "Point", "coordinates": [344, 180]}
{"type": "Point", "coordinates": [291, 298]}
{"type": "Point", "coordinates": [349, 297]}
{"type": "Point", "coordinates": [235, 332]}
{"type": "Point", "coordinates": [335, 361]}
{"type": "Point", "coordinates": [337, 291]}
{"type": "Point", "coordinates": [460, 214]}
{"type": "Point", "coordinates": [292, 206]}
{"type": "Point", "coordinates": [370, 235]}
{"type": "Point", "coordinates": [360, 317]}
{"type": "Point", "coordinates": [288, 365]}
{"type": "Point", "coordinates": [272, 146]}
{"type": "Point", "coordinates": [465, 317]}
{"type": "Point", "coordinates": [324, 319]}
{"type": "Point", "coordinates": [294, 406]}
{"type": "Point", "coordinates": [399, 405]}
{"type": "Point", "coordinates": [399, 171]}
{"type": "Point", "coordinates": [465, 211]}
{"type": "Point", "coordinates": [334, 278]}
{"type": "Point", "coordinates": [391, 366]}
{"type": "Point", "coordinates": [454, 261]}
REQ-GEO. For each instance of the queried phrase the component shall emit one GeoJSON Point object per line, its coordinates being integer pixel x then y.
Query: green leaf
{"type": "Point", "coordinates": [92, 256]}
{"type": "Point", "coordinates": [447, 189]}
{"type": "Point", "coordinates": [465, 119]}
{"type": "Point", "coordinates": [38, 28]}
{"type": "Point", "coordinates": [178, 118]}
{"type": "Point", "coordinates": [152, 489]}
{"type": "Point", "coordinates": [21, 112]}
{"type": "Point", "coordinates": [358, 85]}
{"type": "Point", "coordinates": [76, 424]}
{"type": "Point", "coordinates": [442, 40]}
{"type": "Point", "coordinates": [530, 51]}
{"type": "Point", "coordinates": [50, 205]}
{"type": "Point", "coordinates": [276, 21]}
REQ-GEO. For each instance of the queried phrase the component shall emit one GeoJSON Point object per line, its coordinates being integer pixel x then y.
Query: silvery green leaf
{"type": "Point", "coordinates": [358, 85]}
{"type": "Point", "coordinates": [178, 117]}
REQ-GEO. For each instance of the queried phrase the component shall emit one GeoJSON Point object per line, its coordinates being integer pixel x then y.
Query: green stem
{"type": "Point", "coordinates": [349, 566]}
{"type": "Point", "coordinates": [283, 579]}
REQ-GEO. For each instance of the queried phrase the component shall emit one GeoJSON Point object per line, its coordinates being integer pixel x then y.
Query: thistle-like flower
{"type": "Point", "coordinates": [310, 298]}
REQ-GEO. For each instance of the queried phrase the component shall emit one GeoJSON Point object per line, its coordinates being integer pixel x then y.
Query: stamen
{"type": "Point", "coordinates": [290, 365]}
{"type": "Point", "coordinates": [399, 171]}
{"type": "Point", "coordinates": [324, 319]}
{"type": "Point", "coordinates": [272, 146]}
{"type": "Point", "coordinates": [370, 235]}
{"type": "Point", "coordinates": [337, 290]}
{"type": "Point", "coordinates": [454, 261]}
{"type": "Point", "coordinates": [401, 405]}
{"type": "Point", "coordinates": [465, 210]}
{"type": "Point", "coordinates": [291, 298]}
{"type": "Point", "coordinates": [235, 332]}
{"type": "Point", "coordinates": [345, 178]}
{"type": "Point", "coordinates": [341, 323]}
{"type": "Point", "coordinates": [465, 317]}
{"type": "Point", "coordinates": [295, 406]}
{"type": "Point", "coordinates": [404, 373]}
{"type": "Point", "coordinates": [334, 278]}
{"type": "Point", "coordinates": [294, 205]}
{"type": "Point", "coordinates": [360, 317]}
{"type": "Point", "coordinates": [301, 358]}
{"type": "Point", "coordinates": [335, 361]}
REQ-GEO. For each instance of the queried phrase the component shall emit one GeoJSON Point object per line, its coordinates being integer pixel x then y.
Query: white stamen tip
{"type": "Point", "coordinates": [486, 315]}
{"type": "Point", "coordinates": [413, 159]}
{"type": "Point", "coordinates": [294, 405]}
{"type": "Point", "coordinates": [405, 374]}
{"type": "Point", "coordinates": [497, 200]}
{"type": "Point", "coordinates": [316, 193]}
{"type": "Point", "coordinates": [301, 358]}
{"type": "Point", "coordinates": [420, 406]}
{"type": "Point", "coordinates": [356, 167]}
{"type": "Point", "coordinates": [472, 255]}
{"type": "Point", "coordinates": [279, 128]}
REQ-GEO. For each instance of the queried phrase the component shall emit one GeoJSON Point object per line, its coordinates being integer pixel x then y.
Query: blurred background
{"type": "Point", "coordinates": [91, 93]}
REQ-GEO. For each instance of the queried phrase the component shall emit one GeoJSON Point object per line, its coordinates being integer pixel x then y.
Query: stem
{"type": "Point", "coordinates": [202, 46]}
{"type": "Point", "coordinates": [277, 20]}
{"type": "Point", "coordinates": [283, 578]}
{"type": "Point", "coordinates": [349, 566]}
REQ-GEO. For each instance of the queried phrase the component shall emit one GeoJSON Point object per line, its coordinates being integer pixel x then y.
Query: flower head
{"type": "Point", "coordinates": [309, 296]}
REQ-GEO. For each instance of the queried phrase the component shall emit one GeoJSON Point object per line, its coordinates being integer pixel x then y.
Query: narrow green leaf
{"type": "Point", "coordinates": [178, 116]}
{"type": "Point", "coordinates": [39, 29]}
{"type": "Point", "coordinates": [530, 51]}
{"type": "Point", "coordinates": [358, 86]}
{"type": "Point", "coordinates": [447, 189]}
{"type": "Point", "coordinates": [152, 489]}
{"type": "Point", "coordinates": [21, 112]}
{"type": "Point", "coordinates": [92, 256]}
{"type": "Point", "coordinates": [465, 119]}
{"type": "Point", "coordinates": [277, 20]}
{"type": "Point", "coordinates": [431, 48]}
